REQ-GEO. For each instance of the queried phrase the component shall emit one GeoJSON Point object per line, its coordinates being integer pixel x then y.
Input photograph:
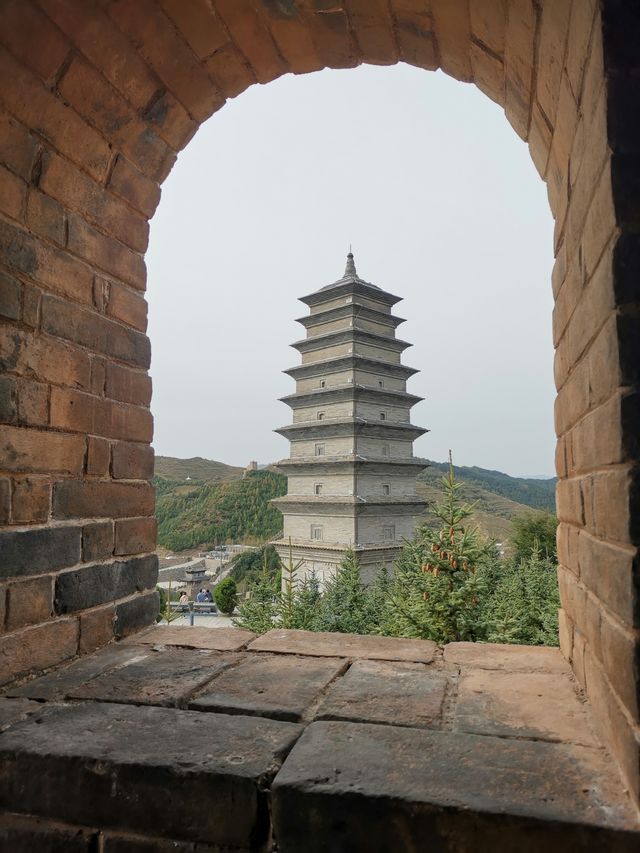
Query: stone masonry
{"type": "Point", "coordinates": [351, 472]}
{"type": "Point", "coordinates": [98, 97]}
{"type": "Point", "coordinates": [192, 739]}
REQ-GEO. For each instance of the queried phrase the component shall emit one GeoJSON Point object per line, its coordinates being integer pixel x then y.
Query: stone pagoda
{"type": "Point", "coordinates": [351, 470]}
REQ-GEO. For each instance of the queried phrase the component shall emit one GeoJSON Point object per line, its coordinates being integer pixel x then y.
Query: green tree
{"type": "Point", "coordinates": [438, 583]}
{"type": "Point", "coordinates": [534, 531]}
{"type": "Point", "coordinates": [347, 605]}
{"type": "Point", "coordinates": [258, 612]}
{"type": "Point", "coordinates": [226, 596]}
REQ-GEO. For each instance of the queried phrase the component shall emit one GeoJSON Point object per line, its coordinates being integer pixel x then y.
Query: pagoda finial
{"type": "Point", "coordinates": [350, 268]}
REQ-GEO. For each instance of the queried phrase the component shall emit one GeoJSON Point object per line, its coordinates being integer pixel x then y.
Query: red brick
{"type": "Point", "coordinates": [35, 451]}
{"type": "Point", "coordinates": [554, 23]}
{"type": "Point", "coordinates": [93, 499]}
{"type": "Point", "coordinates": [331, 35]}
{"type": "Point", "coordinates": [453, 34]}
{"type": "Point", "coordinates": [10, 297]}
{"type": "Point", "coordinates": [31, 500]}
{"type": "Point", "coordinates": [168, 54]}
{"type": "Point", "coordinates": [31, 306]}
{"type": "Point", "coordinates": [8, 398]}
{"type": "Point", "coordinates": [128, 386]}
{"type": "Point", "coordinates": [91, 330]}
{"type": "Point", "coordinates": [79, 412]}
{"type": "Point", "coordinates": [96, 628]}
{"type": "Point", "coordinates": [414, 31]}
{"type": "Point", "coordinates": [518, 62]}
{"type": "Point", "coordinates": [134, 187]}
{"type": "Point", "coordinates": [33, 403]}
{"type": "Point", "coordinates": [106, 253]}
{"type": "Point", "coordinates": [32, 37]}
{"type": "Point", "coordinates": [75, 189]}
{"type": "Point", "coordinates": [97, 541]}
{"type": "Point", "coordinates": [36, 648]}
{"type": "Point", "coordinates": [371, 22]}
{"type": "Point", "coordinates": [29, 602]}
{"type": "Point", "coordinates": [36, 106]}
{"type": "Point", "coordinates": [230, 71]}
{"type": "Point", "coordinates": [199, 25]}
{"type": "Point", "coordinates": [46, 217]}
{"type": "Point", "coordinates": [18, 148]}
{"type": "Point", "coordinates": [128, 306]}
{"type": "Point", "coordinates": [135, 536]}
{"type": "Point", "coordinates": [13, 194]}
{"type": "Point", "coordinates": [132, 461]}
{"type": "Point", "coordinates": [251, 36]}
{"type": "Point", "coordinates": [98, 376]}
{"type": "Point", "coordinates": [98, 457]}
{"type": "Point", "coordinates": [50, 360]}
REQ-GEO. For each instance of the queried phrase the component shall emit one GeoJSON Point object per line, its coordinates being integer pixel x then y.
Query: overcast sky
{"type": "Point", "coordinates": [439, 198]}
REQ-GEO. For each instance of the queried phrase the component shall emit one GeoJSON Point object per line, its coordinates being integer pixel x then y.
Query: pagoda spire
{"type": "Point", "coordinates": [350, 268]}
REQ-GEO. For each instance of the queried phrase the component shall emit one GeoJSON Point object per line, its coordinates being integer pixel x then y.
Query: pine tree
{"type": "Point", "coordinates": [347, 605]}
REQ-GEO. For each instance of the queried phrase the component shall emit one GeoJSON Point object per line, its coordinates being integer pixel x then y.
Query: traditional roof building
{"type": "Point", "coordinates": [351, 470]}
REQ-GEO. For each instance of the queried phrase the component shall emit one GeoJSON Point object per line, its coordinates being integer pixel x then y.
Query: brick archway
{"type": "Point", "coordinates": [98, 97]}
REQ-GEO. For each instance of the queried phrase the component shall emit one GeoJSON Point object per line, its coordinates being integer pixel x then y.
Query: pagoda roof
{"type": "Point", "coordinates": [349, 391]}
{"type": "Point", "coordinates": [350, 310]}
{"type": "Point", "coordinates": [351, 361]}
{"type": "Point", "coordinates": [352, 335]}
{"type": "Point", "coordinates": [351, 460]}
{"type": "Point", "coordinates": [333, 427]}
{"type": "Point", "coordinates": [350, 283]}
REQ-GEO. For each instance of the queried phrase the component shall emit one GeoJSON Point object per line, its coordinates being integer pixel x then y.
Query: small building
{"type": "Point", "coordinates": [351, 469]}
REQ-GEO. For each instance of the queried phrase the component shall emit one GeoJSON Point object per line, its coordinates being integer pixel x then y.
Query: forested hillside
{"type": "Point", "coordinates": [204, 514]}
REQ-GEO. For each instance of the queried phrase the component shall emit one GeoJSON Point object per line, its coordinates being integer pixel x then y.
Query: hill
{"type": "Point", "coordinates": [197, 468]}
{"type": "Point", "coordinates": [530, 491]}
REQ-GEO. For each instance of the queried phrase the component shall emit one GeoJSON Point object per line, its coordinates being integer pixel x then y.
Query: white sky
{"type": "Point", "coordinates": [443, 206]}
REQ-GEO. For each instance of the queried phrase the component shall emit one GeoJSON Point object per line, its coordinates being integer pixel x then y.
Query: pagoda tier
{"type": "Point", "coordinates": [351, 470]}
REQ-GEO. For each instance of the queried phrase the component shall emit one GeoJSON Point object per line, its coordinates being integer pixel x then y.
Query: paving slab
{"type": "Point", "coordinates": [163, 676]}
{"type": "Point", "coordinates": [279, 686]}
{"type": "Point", "coordinates": [354, 786]}
{"type": "Point", "coordinates": [216, 639]}
{"type": "Point", "coordinates": [513, 658]}
{"type": "Point", "coordinates": [344, 645]}
{"type": "Point", "coordinates": [21, 834]}
{"type": "Point", "coordinates": [396, 693]}
{"type": "Point", "coordinates": [153, 771]}
{"type": "Point", "coordinates": [58, 684]}
{"type": "Point", "coordinates": [13, 710]}
{"type": "Point", "coordinates": [522, 704]}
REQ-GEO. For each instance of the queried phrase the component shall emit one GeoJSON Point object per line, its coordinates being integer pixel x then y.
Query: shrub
{"type": "Point", "coordinates": [226, 596]}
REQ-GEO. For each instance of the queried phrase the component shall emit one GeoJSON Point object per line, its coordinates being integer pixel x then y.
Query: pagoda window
{"type": "Point", "coordinates": [383, 416]}
{"type": "Point", "coordinates": [319, 449]}
{"type": "Point", "coordinates": [323, 383]}
{"type": "Point", "coordinates": [386, 489]}
{"type": "Point", "coordinates": [385, 449]}
{"type": "Point", "coordinates": [388, 532]}
{"type": "Point", "coordinates": [381, 383]}
{"type": "Point", "coordinates": [317, 488]}
{"type": "Point", "coordinates": [320, 416]}
{"type": "Point", "coordinates": [317, 531]}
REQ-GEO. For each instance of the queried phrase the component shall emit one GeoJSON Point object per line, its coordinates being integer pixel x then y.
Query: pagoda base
{"type": "Point", "coordinates": [324, 559]}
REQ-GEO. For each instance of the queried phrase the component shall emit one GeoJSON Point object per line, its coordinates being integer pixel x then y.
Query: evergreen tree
{"type": "Point", "coordinates": [347, 605]}
{"type": "Point", "coordinates": [534, 531]}
{"type": "Point", "coordinates": [438, 581]}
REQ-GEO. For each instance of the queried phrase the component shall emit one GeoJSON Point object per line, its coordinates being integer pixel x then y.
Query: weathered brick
{"type": "Point", "coordinates": [127, 306]}
{"type": "Point", "coordinates": [13, 194]}
{"type": "Point", "coordinates": [96, 628]}
{"type": "Point", "coordinates": [611, 573]}
{"type": "Point", "coordinates": [76, 411]}
{"type": "Point", "coordinates": [38, 647]}
{"type": "Point", "coordinates": [554, 23]}
{"type": "Point", "coordinates": [453, 35]}
{"type": "Point", "coordinates": [582, 15]}
{"type": "Point", "coordinates": [518, 63]}
{"type": "Point", "coordinates": [106, 253]}
{"type": "Point", "coordinates": [33, 38]}
{"type": "Point", "coordinates": [8, 400]}
{"type": "Point", "coordinates": [10, 296]}
{"type": "Point", "coordinates": [134, 187]}
{"type": "Point", "coordinates": [91, 586]}
{"type": "Point", "coordinates": [47, 359]}
{"type": "Point", "coordinates": [33, 403]}
{"type": "Point", "coordinates": [91, 330]}
{"type": "Point", "coordinates": [31, 501]}
{"type": "Point", "coordinates": [18, 148]}
{"type": "Point", "coordinates": [29, 602]}
{"type": "Point", "coordinates": [97, 541]}
{"type": "Point", "coordinates": [414, 31]}
{"type": "Point", "coordinates": [330, 31]}
{"type": "Point", "coordinates": [136, 613]}
{"type": "Point", "coordinates": [132, 461]}
{"type": "Point", "coordinates": [295, 44]}
{"type": "Point", "coordinates": [36, 106]}
{"type": "Point", "coordinates": [135, 536]}
{"type": "Point", "coordinates": [98, 376]}
{"type": "Point", "coordinates": [5, 500]}
{"type": "Point", "coordinates": [607, 502]}
{"type": "Point", "coordinates": [35, 451]}
{"type": "Point", "coordinates": [199, 25]}
{"type": "Point", "coordinates": [371, 22]}
{"type": "Point", "coordinates": [230, 71]}
{"type": "Point", "coordinates": [128, 386]}
{"type": "Point", "coordinates": [32, 552]}
{"type": "Point", "coordinates": [93, 499]}
{"type": "Point", "coordinates": [31, 300]}
{"type": "Point", "coordinates": [98, 456]}
{"type": "Point", "coordinates": [621, 660]}
{"type": "Point", "coordinates": [46, 217]}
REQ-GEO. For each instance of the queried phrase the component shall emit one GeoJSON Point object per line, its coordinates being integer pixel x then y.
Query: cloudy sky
{"type": "Point", "coordinates": [440, 200]}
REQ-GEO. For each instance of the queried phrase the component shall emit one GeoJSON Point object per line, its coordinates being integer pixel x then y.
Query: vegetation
{"type": "Point", "coordinates": [248, 566]}
{"type": "Point", "coordinates": [448, 584]}
{"type": "Point", "coordinates": [196, 468]}
{"type": "Point", "coordinates": [226, 596]}
{"type": "Point", "coordinates": [209, 514]}
{"type": "Point", "coordinates": [534, 532]}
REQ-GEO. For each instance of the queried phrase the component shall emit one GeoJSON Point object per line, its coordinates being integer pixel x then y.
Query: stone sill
{"type": "Point", "coordinates": [180, 737]}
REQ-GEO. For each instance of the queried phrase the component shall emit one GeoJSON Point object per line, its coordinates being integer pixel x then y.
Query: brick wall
{"type": "Point", "coordinates": [98, 96]}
